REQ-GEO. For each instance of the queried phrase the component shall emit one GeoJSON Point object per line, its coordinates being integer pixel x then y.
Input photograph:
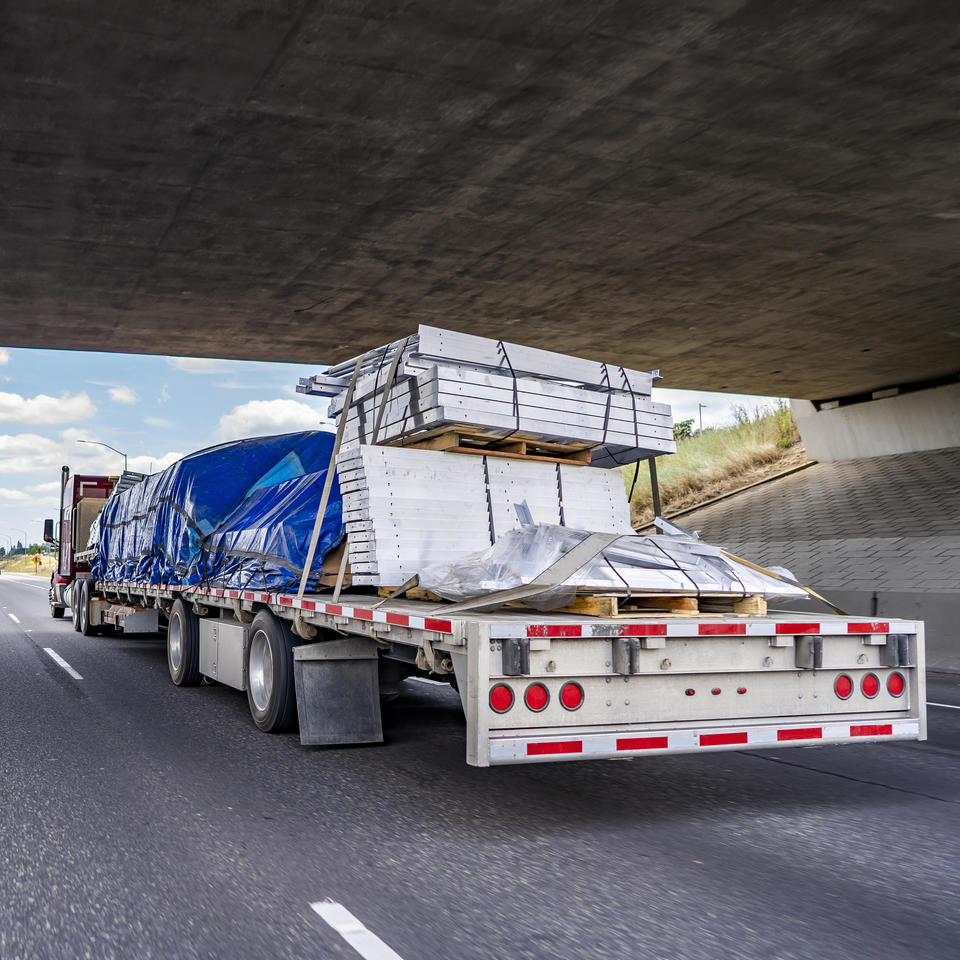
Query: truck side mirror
{"type": "Point", "coordinates": [48, 531]}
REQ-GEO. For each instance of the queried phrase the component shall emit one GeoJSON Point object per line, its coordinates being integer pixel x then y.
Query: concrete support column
{"type": "Point", "coordinates": [905, 422]}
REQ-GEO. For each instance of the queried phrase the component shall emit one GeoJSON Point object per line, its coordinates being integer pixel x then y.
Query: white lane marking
{"type": "Point", "coordinates": [50, 652]}
{"type": "Point", "coordinates": [948, 706]}
{"type": "Point", "coordinates": [13, 617]}
{"type": "Point", "coordinates": [367, 944]}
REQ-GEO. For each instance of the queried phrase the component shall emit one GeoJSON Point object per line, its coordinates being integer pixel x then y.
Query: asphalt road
{"type": "Point", "coordinates": [140, 820]}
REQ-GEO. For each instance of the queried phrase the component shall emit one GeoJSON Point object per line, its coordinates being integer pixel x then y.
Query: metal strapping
{"type": "Point", "coordinates": [391, 374]}
{"type": "Point", "coordinates": [327, 486]}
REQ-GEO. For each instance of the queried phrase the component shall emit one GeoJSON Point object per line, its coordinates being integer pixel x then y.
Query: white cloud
{"type": "Point", "coordinates": [149, 464]}
{"type": "Point", "coordinates": [4, 356]}
{"type": "Point", "coordinates": [13, 496]}
{"type": "Point", "coordinates": [32, 453]}
{"type": "Point", "coordinates": [159, 422]}
{"type": "Point", "coordinates": [123, 394]}
{"type": "Point", "coordinates": [197, 364]}
{"type": "Point", "coordinates": [262, 417]}
{"type": "Point", "coordinates": [52, 486]}
{"type": "Point", "coordinates": [164, 395]}
{"type": "Point", "coordinates": [46, 409]}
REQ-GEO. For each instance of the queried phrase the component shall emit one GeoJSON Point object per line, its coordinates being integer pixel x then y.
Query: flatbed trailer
{"type": "Point", "coordinates": [538, 687]}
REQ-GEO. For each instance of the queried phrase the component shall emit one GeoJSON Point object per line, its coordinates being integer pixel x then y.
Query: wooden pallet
{"type": "Point", "coordinates": [610, 606]}
{"type": "Point", "coordinates": [518, 446]}
{"type": "Point", "coordinates": [414, 593]}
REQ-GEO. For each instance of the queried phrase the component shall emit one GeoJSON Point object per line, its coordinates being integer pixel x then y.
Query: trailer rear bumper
{"type": "Point", "coordinates": [646, 741]}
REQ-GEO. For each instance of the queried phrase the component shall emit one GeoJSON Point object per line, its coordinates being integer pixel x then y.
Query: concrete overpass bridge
{"type": "Point", "coordinates": [756, 197]}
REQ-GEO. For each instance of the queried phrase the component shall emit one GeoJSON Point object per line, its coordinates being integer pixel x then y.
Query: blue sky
{"type": "Point", "coordinates": [158, 409]}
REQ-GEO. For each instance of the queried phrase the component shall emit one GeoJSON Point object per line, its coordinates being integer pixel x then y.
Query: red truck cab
{"type": "Point", "coordinates": [82, 497]}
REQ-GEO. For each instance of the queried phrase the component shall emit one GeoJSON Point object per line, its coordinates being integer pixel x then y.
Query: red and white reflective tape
{"type": "Point", "coordinates": [434, 624]}
{"type": "Point", "coordinates": [720, 628]}
{"type": "Point", "coordinates": [519, 749]}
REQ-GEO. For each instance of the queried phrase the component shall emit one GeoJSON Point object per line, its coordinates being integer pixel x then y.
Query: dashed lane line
{"type": "Point", "coordinates": [364, 941]}
{"type": "Point", "coordinates": [946, 706]}
{"type": "Point", "coordinates": [56, 658]}
{"type": "Point", "coordinates": [13, 617]}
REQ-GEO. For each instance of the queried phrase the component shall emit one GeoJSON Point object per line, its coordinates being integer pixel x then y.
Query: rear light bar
{"type": "Point", "coordinates": [501, 698]}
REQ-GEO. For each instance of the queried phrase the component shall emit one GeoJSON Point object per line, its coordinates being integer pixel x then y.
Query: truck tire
{"type": "Point", "coordinates": [75, 604]}
{"type": "Point", "coordinates": [271, 691]}
{"type": "Point", "coordinates": [83, 614]}
{"type": "Point", "coordinates": [183, 645]}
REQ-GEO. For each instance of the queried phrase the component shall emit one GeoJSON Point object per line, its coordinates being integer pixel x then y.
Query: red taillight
{"type": "Point", "coordinates": [843, 687]}
{"type": "Point", "coordinates": [716, 691]}
{"type": "Point", "coordinates": [870, 685]}
{"type": "Point", "coordinates": [501, 698]}
{"type": "Point", "coordinates": [741, 689]}
{"type": "Point", "coordinates": [571, 696]}
{"type": "Point", "coordinates": [536, 697]}
{"type": "Point", "coordinates": [896, 684]}
{"type": "Point", "coordinates": [689, 691]}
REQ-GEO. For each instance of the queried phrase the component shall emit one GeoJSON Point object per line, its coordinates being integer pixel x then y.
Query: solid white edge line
{"type": "Point", "coordinates": [365, 942]}
{"type": "Point", "coordinates": [13, 617]}
{"type": "Point", "coordinates": [948, 706]}
{"type": "Point", "coordinates": [50, 652]}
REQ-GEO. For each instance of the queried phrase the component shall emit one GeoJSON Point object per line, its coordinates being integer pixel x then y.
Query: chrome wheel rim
{"type": "Point", "coordinates": [260, 674]}
{"type": "Point", "coordinates": [175, 643]}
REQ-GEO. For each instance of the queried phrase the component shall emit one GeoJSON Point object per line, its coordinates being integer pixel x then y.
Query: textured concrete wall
{"type": "Point", "coordinates": [880, 537]}
{"type": "Point", "coordinates": [909, 422]}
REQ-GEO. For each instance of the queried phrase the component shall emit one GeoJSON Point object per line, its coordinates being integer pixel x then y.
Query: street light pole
{"type": "Point", "coordinates": [24, 532]}
{"type": "Point", "coordinates": [100, 443]}
{"type": "Point", "coordinates": [700, 406]}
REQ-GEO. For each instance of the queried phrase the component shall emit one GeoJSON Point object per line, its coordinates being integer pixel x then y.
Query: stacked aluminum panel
{"type": "Point", "coordinates": [488, 388]}
{"type": "Point", "coordinates": [406, 509]}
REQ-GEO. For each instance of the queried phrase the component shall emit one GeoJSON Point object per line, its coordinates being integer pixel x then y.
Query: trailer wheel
{"type": "Point", "coordinates": [183, 645]}
{"type": "Point", "coordinates": [271, 691]}
{"type": "Point", "coordinates": [83, 614]}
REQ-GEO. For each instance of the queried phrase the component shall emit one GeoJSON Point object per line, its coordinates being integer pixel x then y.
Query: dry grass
{"type": "Point", "coordinates": [23, 563]}
{"type": "Point", "coordinates": [757, 445]}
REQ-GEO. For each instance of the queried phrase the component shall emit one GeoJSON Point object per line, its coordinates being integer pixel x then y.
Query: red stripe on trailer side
{"type": "Point", "coordinates": [871, 730]}
{"type": "Point", "coordinates": [560, 746]}
{"type": "Point", "coordinates": [398, 619]}
{"type": "Point", "coordinates": [233, 594]}
{"type": "Point", "coordinates": [441, 626]}
{"type": "Point", "coordinates": [309, 605]}
{"type": "Point", "coordinates": [644, 630]}
{"type": "Point", "coordinates": [797, 628]}
{"type": "Point", "coordinates": [248, 596]}
{"type": "Point", "coordinates": [334, 609]}
{"type": "Point", "coordinates": [554, 630]}
{"type": "Point", "coordinates": [720, 739]}
{"type": "Point", "coordinates": [361, 613]}
{"type": "Point", "coordinates": [722, 629]}
{"type": "Point", "coordinates": [878, 626]}
{"type": "Point", "coordinates": [802, 733]}
{"type": "Point", "coordinates": [286, 601]}
{"type": "Point", "coordinates": [642, 743]}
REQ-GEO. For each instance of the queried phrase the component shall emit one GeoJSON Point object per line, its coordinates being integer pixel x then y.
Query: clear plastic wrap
{"type": "Point", "coordinates": [657, 564]}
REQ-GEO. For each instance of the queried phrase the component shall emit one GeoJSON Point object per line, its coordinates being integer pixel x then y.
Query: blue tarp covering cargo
{"type": "Point", "coordinates": [236, 515]}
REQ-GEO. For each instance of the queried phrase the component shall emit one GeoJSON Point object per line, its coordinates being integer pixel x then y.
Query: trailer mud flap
{"type": "Point", "coordinates": [338, 692]}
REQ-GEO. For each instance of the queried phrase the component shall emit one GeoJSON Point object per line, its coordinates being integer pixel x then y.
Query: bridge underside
{"type": "Point", "coordinates": [758, 197]}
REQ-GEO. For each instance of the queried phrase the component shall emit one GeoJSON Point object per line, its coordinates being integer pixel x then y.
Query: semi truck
{"type": "Point", "coordinates": [534, 687]}
{"type": "Point", "coordinates": [593, 679]}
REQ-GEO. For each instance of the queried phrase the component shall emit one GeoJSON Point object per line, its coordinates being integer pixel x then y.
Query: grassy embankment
{"type": "Point", "coordinates": [719, 460]}
{"type": "Point", "coordinates": [23, 563]}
